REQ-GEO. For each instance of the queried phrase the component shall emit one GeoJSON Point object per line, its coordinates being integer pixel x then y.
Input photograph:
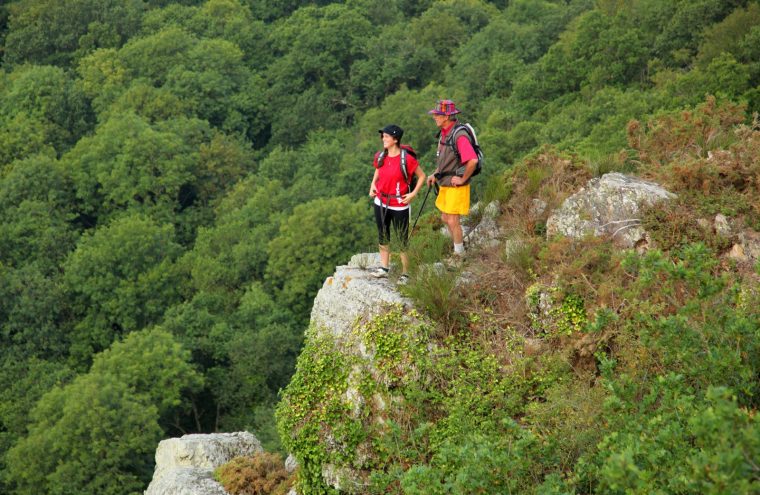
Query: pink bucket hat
{"type": "Point", "coordinates": [444, 107]}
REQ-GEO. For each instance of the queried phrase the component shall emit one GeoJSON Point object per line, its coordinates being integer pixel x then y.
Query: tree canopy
{"type": "Point", "coordinates": [178, 177]}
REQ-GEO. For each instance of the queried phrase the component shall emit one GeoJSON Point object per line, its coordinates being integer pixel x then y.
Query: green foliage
{"type": "Point", "coordinates": [672, 441]}
{"type": "Point", "coordinates": [217, 154]}
{"type": "Point", "coordinates": [51, 32]}
{"type": "Point", "coordinates": [311, 400]}
{"type": "Point", "coordinates": [120, 279]}
{"type": "Point", "coordinates": [727, 35]}
{"type": "Point", "coordinates": [50, 96]}
{"type": "Point", "coordinates": [69, 447]}
{"type": "Point", "coordinates": [316, 237]}
{"type": "Point", "coordinates": [475, 463]}
{"type": "Point", "coordinates": [22, 382]}
{"type": "Point", "coordinates": [694, 324]}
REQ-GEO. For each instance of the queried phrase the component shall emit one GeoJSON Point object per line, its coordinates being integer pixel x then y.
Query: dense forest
{"type": "Point", "coordinates": [177, 178]}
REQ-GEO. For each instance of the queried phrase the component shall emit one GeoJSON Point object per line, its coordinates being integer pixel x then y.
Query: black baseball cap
{"type": "Point", "coordinates": [392, 130]}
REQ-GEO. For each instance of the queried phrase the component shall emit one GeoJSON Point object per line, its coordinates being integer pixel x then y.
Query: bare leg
{"type": "Point", "coordinates": [404, 262]}
{"type": "Point", "coordinates": [385, 256]}
{"type": "Point", "coordinates": [454, 226]}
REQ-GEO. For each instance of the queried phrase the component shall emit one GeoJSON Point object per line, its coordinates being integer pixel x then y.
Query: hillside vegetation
{"type": "Point", "coordinates": [177, 179]}
{"type": "Point", "coordinates": [563, 366]}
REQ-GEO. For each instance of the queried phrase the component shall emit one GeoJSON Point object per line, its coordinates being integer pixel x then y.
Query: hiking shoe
{"type": "Point", "coordinates": [403, 279]}
{"type": "Point", "coordinates": [379, 272]}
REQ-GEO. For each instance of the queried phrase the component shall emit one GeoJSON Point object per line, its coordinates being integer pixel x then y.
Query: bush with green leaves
{"type": "Point", "coordinates": [665, 438]}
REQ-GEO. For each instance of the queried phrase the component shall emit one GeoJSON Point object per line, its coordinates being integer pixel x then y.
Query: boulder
{"type": "Point", "coordinates": [608, 206]}
{"type": "Point", "coordinates": [186, 481]}
{"type": "Point", "coordinates": [185, 466]}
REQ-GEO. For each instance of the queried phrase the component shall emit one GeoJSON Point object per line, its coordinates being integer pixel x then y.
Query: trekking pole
{"type": "Point", "coordinates": [421, 208]}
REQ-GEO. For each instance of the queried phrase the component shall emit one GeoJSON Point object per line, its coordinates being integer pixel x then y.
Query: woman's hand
{"type": "Point", "coordinates": [372, 191]}
{"type": "Point", "coordinates": [407, 198]}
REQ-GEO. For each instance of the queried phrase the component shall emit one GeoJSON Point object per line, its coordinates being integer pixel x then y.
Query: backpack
{"type": "Point", "coordinates": [475, 146]}
{"type": "Point", "coordinates": [405, 148]}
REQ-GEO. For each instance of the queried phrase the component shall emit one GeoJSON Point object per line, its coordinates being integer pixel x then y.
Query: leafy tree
{"type": "Point", "coordinates": [232, 21]}
{"type": "Point", "coordinates": [310, 77]}
{"type": "Point", "coordinates": [217, 86]}
{"type": "Point", "coordinates": [120, 279]}
{"type": "Point", "coordinates": [316, 237]}
{"type": "Point", "coordinates": [70, 447]}
{"type": "Point", "coordinates": [391, 60]}
{"type": "Point", "coordinates": [724, 76]}
{"type": "Point", "coordinates": [232, 254]}
{"type": "Point", "coordinates": [179, 74]}
{"type": "Point", "coordinates": [33, 314]}
{"type": "Point", "coordinates": [675, 27]}
{"type": "Point", "coordinates": [727, 35]}
{"type": "Point", "coordinates": [22, 382]}
{"type": "Point", "coordinates": [20, 137]}
{"type": "Point", "coordinates": [171, 170]}
{"type": "Point", "coordinates": [36, 206]}
{"type": "Point", "coordinates": [56, 33]}
{"type": "Point", "coordinates": [50, 96]}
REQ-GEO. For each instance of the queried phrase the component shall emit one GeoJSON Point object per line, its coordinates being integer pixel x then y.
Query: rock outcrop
{"type": "Point", "coordinates": [185, 466]}
{"type": "Point", "coordinates": [609, 206]}
{"type": "Point", "coordinates": [352, 292]}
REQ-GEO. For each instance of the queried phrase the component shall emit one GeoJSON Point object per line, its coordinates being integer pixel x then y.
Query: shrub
{"type": "Point", "coordinates": [666, 439]}
{"type": "Point", "coordinates": [261, 474]}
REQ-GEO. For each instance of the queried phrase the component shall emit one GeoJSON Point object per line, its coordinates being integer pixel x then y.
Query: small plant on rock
{"type": "Point", "coordinates": [261, 474]}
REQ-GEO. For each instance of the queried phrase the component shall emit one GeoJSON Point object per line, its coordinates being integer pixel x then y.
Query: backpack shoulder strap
{"type": "Point", "coordinates": [380, 157]}
{"type": "Point", "coordinates": [404, 172]}
{"type": "Point", "coordinates": [450, 139]}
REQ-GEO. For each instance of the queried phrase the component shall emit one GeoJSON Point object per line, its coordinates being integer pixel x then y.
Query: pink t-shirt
{"type": "Point", "coordinates": [466, 151]}
{"type": "Point", "coordinates": [391, 181]}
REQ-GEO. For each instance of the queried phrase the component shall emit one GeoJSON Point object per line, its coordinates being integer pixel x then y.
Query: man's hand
{"type": "Point", "coordinates": [457, 181]}
{"type": "Point", "coordinates": [430, 180]}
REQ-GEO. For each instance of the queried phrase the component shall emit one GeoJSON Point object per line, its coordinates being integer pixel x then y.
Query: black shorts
{"type": "Point", "coordinates": [385, 217]}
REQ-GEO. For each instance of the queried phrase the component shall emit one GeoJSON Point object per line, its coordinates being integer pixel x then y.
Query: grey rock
{"type": "Point", "coordinates": [483, 234]}
{"type": "Point", "coordinates": [186, 481]}
{"type": "Point", "coordinates": [184, 466]}
{"type": "Point", "coordinates": [747, 249]}
{"type": "Point", "coordinates": [350, 293]}
{"type": "Point", "coordinates": [537, 208]}
{"type": "Point", "coordinates": [607, 206]}
{"type": "Point", "coordinates": [291, 464]}
{"type": "Point", "coordinates": [344, 479]}
{"type": "Point", "coordinates": [344, 305]}
{"type": "Point", "coordinates": [722, 227]}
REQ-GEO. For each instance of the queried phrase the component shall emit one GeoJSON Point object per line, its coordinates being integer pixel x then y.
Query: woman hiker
{"type": "Point", "coordinates": [390, 188]}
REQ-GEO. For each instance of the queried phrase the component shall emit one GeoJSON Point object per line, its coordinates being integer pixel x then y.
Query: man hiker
{"type": "Point", "coordinates": [390, 188]}
{"type": "Point", "coordinates": [453, 171]}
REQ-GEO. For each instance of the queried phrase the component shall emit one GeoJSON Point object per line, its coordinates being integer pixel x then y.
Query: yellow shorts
{"type": "Point", "coordinates": [454, 200]}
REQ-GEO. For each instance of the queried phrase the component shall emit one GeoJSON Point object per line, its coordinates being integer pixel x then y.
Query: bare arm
{"type": "Point", "coordinates": [372, 190]}
{"type": "Point", "coordinates": [469, 168]}
{"type": "Point", "coordinates": [420, 180]}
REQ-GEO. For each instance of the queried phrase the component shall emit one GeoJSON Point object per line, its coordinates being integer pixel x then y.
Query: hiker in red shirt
{"type": "Point", "coordinates": [390, 188]}
{"type": "Point", "coordinates": [452, 173]}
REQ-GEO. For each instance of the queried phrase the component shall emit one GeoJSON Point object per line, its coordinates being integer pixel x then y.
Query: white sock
{"type": "Point", "coordinates": [459, 248]}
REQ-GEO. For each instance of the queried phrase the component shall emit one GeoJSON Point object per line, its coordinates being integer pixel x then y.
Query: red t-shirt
{"type": "Point", "coordinates": [466, 151]}
{"type": "Point", "coordinates": [391, 181]}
